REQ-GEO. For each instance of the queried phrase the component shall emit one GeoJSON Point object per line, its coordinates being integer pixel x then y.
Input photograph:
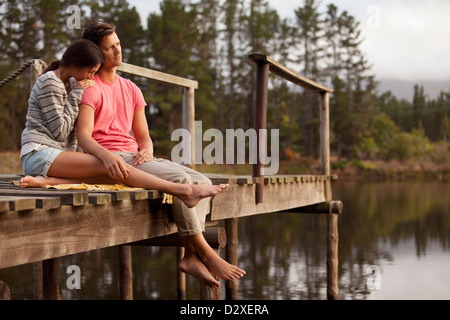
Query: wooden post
{"type": "Point", "coordinates": [50, 279]}
{"type": "Point", "coordinates": [188, 120]}
{"type": "Point", "coordinates": [324, 134]}
{"type": "Point", "coordinates": [332, 256]}
{"type": "Point", "coordinates": [188, 123]}
{"type": "Point", "coordinates": [125, 273]}
{"type": "Point", "coordinates": [37, 280]}
{"type": "Point", "coordinates": [5, 293]}
{"type": "Point", "coordinates": [36, 70]}
{"type": "Point", "coordinates": [181, 276]}
{"type": "Point", "coordinates": [231, 286]}
{"type": "Point", "coordinates": [332, 218]}
{"type": "Point", "coordinates": [260, 117]}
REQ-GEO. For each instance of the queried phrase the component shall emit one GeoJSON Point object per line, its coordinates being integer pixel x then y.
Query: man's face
{"type": "Point", "coordinates": [111, 50]}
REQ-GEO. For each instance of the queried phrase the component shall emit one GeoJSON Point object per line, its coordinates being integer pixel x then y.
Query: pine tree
{"type": "Point", "coordinates": [309, 31]}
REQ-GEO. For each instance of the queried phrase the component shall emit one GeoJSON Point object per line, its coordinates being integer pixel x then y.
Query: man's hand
{"type": "Point", "coordinates": [116, 166]}
{"type": "Point", "coordinates": [142, 156]}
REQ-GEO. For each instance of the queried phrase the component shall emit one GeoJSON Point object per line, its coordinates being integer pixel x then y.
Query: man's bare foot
{"type": "Point", "coordinates": [222, 268]}
{"type": "Point", "coordinates": [32, 182]}
{"type": "Point", "coordinates": [192, 265]}
{"type": "Point", "coordinates": [198, 192]}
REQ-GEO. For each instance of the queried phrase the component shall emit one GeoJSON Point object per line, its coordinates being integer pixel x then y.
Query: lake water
{"type": "Point", "coordinates": [395, 232]}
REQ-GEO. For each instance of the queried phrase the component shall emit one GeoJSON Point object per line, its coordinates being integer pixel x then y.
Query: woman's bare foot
{"type": "Point", "coordinates": [198, 192]}
{"type": "Point", "coordinates": [191, 264]}
{"type": "Point", "coordinates": [32, 182]}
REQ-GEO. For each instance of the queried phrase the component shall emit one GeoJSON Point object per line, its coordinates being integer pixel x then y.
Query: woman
{"type": "Point", "coordinates": [49, 142]}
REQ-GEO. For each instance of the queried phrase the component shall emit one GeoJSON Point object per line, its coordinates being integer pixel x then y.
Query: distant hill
{"type": "Point", "coordinates": [405, 89]}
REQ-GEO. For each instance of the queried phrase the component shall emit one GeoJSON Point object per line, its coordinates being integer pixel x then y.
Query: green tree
{"type": "Point", "coordinates": [171, 36]}
{"type": "Point", "coordinates": [306, 40]}
{"type": "Point", "coordinates": [418, 105]}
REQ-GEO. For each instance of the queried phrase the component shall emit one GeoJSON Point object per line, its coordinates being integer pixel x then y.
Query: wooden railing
{"type": "Point", "coordinates": [188, 109]}
{"type": "Point", "coordinates": [264, 65]}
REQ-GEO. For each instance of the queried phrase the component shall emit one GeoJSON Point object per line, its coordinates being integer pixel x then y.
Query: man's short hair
{"type": "Point", "coordinates": [96, 31]}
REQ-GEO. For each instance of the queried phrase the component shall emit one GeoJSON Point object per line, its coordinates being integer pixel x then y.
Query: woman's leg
{"type": "Point", "coordinates": [77, 167]}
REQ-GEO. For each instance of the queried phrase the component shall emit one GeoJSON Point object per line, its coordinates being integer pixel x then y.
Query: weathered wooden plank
{"type": "Point", "coordinates": [119, 195]}
{"type": "Point", "coordinates": [142, 194]}
{"type": "Point", "coordinates": [157, 75]}
{"type": "Point", "coordinates": [18, 203]}
{"type": "Point", "coordinates": [72, 197]}
{"type": "Point", "coordinates": [48, 203]}
{"type": "Point", "coordinates": [36, 235]}
{"type": "Point", "coordinates": [4, 205]}
{"type": "Point", "coordinates": [288, 74]}
{"type": "Point", "coordinates": [239, 200]}
{"type": "Point", "coordinates": [99, 198]}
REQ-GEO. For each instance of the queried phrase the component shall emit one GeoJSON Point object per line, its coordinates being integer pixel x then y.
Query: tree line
{"type": "Point", "coordinates": [209, 41]}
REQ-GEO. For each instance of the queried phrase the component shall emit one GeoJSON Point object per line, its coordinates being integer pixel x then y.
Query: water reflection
{"type": "Point", "coordinates": [404, 228]}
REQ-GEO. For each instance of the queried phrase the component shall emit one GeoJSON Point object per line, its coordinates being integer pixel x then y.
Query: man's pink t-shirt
{"type": "Point", "coordinates": [114, 106]}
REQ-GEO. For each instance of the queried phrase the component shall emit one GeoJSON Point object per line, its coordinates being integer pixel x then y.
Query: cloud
{"type": "Point", "coordinates": [411, 41]}
{"type": "Point", "coordinates": [403, 39]}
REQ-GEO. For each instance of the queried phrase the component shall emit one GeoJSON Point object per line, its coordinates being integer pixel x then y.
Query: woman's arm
{"type": "Point", "coordinates": [59, 109]}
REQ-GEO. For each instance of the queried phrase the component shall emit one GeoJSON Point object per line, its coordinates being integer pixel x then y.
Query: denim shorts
{"type": "Point", "coordinates": [37, 162]}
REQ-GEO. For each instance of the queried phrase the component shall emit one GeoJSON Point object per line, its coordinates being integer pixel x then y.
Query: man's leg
{"type": "Point", "coordinates": [190, 221]}
{"type": "Point", "coordinates": [199, 258]}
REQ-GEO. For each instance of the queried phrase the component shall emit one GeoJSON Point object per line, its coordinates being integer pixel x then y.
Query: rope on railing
{"type": "Point", "coordinates": [16, 73]}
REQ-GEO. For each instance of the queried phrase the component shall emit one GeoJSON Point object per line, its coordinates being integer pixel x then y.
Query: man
{"type": "Point", "coordinates": [109, 111]}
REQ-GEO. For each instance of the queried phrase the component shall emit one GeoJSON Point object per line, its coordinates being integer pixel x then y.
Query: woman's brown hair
{"type": "Point", "coordinates": [81, 53]}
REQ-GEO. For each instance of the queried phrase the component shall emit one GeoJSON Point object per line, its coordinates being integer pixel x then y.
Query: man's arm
{"type": "Point", "coordinates": [114, 164]}
{"type": "Point", "coordinates": [142, 136]}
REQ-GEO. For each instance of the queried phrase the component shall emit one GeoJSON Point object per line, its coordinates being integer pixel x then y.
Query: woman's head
{"type": "Point", "coordinates": [82, 55]}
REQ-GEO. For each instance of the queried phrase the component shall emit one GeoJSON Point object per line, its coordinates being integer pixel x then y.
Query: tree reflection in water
{"type": "Point", "coordinates": [284, 254]}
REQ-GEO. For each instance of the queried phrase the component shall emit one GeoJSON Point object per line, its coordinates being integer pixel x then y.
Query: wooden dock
{"type": "Point", "coordinates": [44, 224]}
{"type": "Point", "coordinates": [39, 225]}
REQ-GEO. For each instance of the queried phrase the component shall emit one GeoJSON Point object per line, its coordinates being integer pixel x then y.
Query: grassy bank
{"type": "Point", "coordinates": [345, 170]}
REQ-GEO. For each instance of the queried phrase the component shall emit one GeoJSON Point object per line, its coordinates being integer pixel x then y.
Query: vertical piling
{"type": "Point", "coordinates": [181, 276]}
{"type": "Point", "coordinates": [260, 118]}
{"type": "Point", "coordinates": [231, 286]}
{"type": "Point", "coordinates": [125, 273]}
{"type": "Point", "coordinates": [50, 279]}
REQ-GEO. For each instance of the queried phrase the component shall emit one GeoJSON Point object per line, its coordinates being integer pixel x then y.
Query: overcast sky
{"type": "Point", "coordinates": [403, 39]}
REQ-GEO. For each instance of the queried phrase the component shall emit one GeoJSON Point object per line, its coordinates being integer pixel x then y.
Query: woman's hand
{"type": "Point", "coordinates": [142, 156]}
{"type": "Point", "coordinates": [115, 166]}
{"type": "Point", "coordinates": [85, 83]}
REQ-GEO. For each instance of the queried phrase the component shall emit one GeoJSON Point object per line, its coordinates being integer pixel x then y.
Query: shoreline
{"type": "Point", "coordinates": [356, 170]}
